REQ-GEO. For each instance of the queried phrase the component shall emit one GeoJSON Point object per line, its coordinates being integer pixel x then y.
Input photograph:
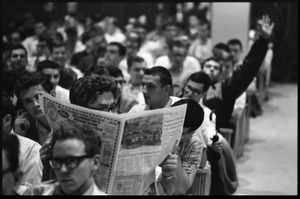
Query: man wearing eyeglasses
{"type": "Point", "coordinates": [125, 100]}
{"type": "Point", "coordinates": [95, 92]}
{"type": "Point", "coordinates": [75, 159]}
{"type": "Point", "coordinates": [219, 153]}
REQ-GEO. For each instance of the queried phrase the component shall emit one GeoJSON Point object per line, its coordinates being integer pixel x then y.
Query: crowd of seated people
{"type": "Point", "coordinates": [103, 66]}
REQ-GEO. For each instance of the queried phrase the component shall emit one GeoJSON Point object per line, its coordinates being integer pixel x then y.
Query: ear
{"type": "Point", "coordinates": [169, 89]}
{"type": "Point", "coordinates": [96, 162]}
{"type": "Point", "coordinates": [7, 120]}
{"type": "Point", "coordinates": [53, 93]}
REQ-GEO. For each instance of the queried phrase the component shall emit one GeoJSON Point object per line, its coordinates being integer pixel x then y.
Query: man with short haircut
{"type": "Point", "coordinates": [236, 50]}
{"type": "Point", "coordinates": [136, 68]}
{"type": "Point", "coordinates": [17, 59]}
{"type": "Point", "coordinates": [178, 63]}
{"type": "Point", "coordinates": [125, 100]}
{"type": "Point", "coordinates": [201, 47]}
{"type": "Point", "coordinates": [221, 95]}
{"type": "Point", "coordinates": [115, 52]}
{"type": "Point", "coordinates": [157, 89]}
{"type": "Point", "coordinates": [219, 153]}
{"type": "Point", "coordinates": [59, 55]}
{"type": "Point", "coordinates": [75, 159]}
{"type": "Point", "coordinates": [51, 69]}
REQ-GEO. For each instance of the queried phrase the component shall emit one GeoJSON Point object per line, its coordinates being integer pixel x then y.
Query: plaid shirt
{"type": "Point", "coordinates": [190, 152]}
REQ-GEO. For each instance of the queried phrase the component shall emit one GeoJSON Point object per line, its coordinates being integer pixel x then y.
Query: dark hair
{"type": "Point", "coordinates": [203, 21]}
{"type": "Point", "coordinates": [67, 78]}
{"type": "Point", "coordinates": [57, 45]}
{"type": "Point", "coordinates": [8, 108]}
{"type": "Point", "coordinates": [47, 40]}
{"type": "Point", "coordinates": [202, 78]}
{"type": "Point", "coordinates": [121, 47]}
{"type": "Point", "coordinates": [222, 46]}
{"type": "Point", "coordinates": [11, 145]}
{"type": "Point", "coordinates": [88, 136]}
{"type": "Point", "coordinates": [47, 64]}
{"type": "Point", "coordinates": [176, 43]}
{"type": "Point", "coordinates": [86, 36]}
{"type": "Point", "coordinates": [235, 42]}
{"type": "Point", "coordinates": [17, 47]}
{"type": "Point", "coordinates": [211, 59]}
{"type": "Point", "coordinates": [132, 59]}
{"type": "Point", "coordinates": [98, 70]}
{"type": "Point", "coordinates": [114, 71]}
{"type": "Point", "coordinates": [29, 80]}
{"type": "Point", "coordinates": [163, 73]}
{"type": "Point", "coordinates": [133, 36]}
{"type": "Point", "coordinates": [86, 89]}
{"type": "Point", "coordinates": [9, 80]}
{"type": "Point", "coordinates": [194, 115]}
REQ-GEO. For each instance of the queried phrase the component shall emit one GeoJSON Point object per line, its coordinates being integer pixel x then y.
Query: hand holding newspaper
{"type": "Point", "coordinates": [133, 144]}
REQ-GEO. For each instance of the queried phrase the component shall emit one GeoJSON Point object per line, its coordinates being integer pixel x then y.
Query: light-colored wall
{"type": "Point", "coordinates": [231, 20]}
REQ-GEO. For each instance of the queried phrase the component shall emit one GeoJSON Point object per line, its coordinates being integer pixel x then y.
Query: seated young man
{"type": "Point", "coordinates": [27, 89]}
{"type": "Point", "coordinates": [125, 100]}
{"type": "Point", "coordinates": [52, 70]}
{"type": "Point", "coordinates": [29, 158]}
{"type": "Point", "coordinates": [219, 153]}
{"type": "Point", "coordinates": [95, 92]}
{"type": "Point", "coordinates": [75, 160]}
{"type": "Point", "coordinates": [157, 91]}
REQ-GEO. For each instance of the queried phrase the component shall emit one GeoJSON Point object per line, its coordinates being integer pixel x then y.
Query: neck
{"type": "Point", "coordinates": [161, 105]}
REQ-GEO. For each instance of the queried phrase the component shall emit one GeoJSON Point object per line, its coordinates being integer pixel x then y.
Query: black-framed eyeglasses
{"type": "Point", "coordinates": [113, 108]}
{"type": "Point", "coordinates": [194, 91]}
{"type": "Point", "coordinates": [71, 162]}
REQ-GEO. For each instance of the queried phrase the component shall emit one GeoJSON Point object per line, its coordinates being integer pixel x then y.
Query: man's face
{"type": "Point", "coordinates": [8, 182]}
{"type": "Point", "coordinates": [171, 31]}
{"type": "Point", "coordinates": [30, 100]}
{"type": "Point", "coordinates": [18, 59]}
{"type": "Point", "coordinates": [112, 56]}
{"type": "Point", "coordinates": [213, 69]}
{"type": "Point", "coordinates": [203, 32]}
{"type": "Point", "coordinates": [77, 180]}
{"type": "Point", "coordinates": [137, 72]}
{"type": "Point", "coordinates": [104, 102]}
{"type": "Point", "coordinates": [53, 74]}
{"type": "Point", "coordinates": [59, 55]}
{"type": "Point", "coordinates": [194, 90]}
{"type": "Point", "coordinates": [235, 51]}
{"type": "Point", "coordinates": [39, 28]}
{"type": "Point", "coordinates": [131, 47]}
{"type": "Point", "coordinates": [178, 55]}
{"type": "Point", "coordinates": [153, 91]}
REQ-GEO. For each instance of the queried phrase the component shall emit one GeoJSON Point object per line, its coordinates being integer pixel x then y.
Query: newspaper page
{"type": "Point", "coordinates": [132, 144]}
{"type": "Point", "coordinates": [148, 138]}
{"type": "Point", "coordinates": [107, 125]}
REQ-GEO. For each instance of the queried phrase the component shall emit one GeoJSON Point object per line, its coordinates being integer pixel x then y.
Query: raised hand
{"type": "Point", "coordinates": [265, 28]}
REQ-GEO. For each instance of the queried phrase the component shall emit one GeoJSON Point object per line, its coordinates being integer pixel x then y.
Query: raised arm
{"type": "Point", "coordinates": [244, 74]}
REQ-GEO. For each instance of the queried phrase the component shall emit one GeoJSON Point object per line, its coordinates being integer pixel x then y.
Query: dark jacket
{"type": "Point", "coordinates": [222, 95]}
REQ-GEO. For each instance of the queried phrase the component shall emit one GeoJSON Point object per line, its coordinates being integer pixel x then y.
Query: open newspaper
{"type": "Point", "coordinates": [133, 144]}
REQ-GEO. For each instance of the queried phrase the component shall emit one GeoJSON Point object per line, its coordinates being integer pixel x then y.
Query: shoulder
{"type": "Point", "coordinates": [138, 108]}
